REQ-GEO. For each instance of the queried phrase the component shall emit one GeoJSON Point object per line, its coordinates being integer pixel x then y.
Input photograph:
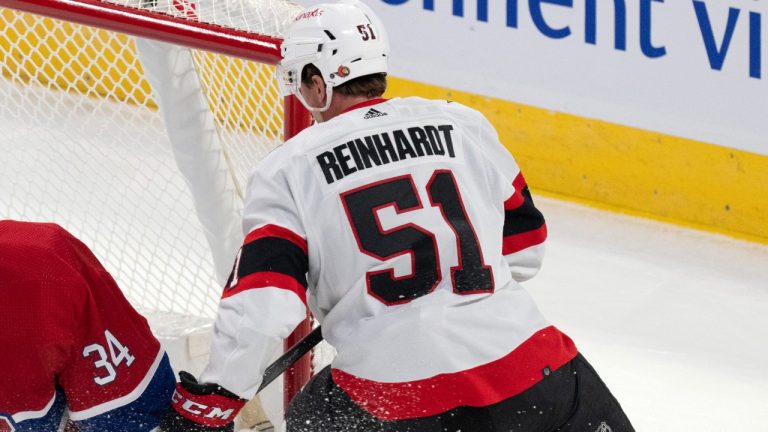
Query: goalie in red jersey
{"type": "Point", "coordinates": [72, 346]}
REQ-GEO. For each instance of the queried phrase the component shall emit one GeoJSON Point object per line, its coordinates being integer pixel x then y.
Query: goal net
{"type": "Point", "coordinates": [141, 146]}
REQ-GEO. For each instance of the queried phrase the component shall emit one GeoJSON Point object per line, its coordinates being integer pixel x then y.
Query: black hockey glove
{"type": "Point", "coordinates": [201, 407]}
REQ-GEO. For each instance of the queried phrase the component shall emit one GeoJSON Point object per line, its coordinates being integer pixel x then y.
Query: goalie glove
{"type": "Point", "coordinates": [201, 407]}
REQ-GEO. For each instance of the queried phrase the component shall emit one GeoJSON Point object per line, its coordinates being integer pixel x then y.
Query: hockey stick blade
{"type": "Point", "coordinates": [291, 356]}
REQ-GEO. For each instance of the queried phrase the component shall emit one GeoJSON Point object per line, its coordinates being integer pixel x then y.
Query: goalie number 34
{"type": "Point", "coordinates": [470, 276]}
{"type": "Point", "coordinates": [118, 353]}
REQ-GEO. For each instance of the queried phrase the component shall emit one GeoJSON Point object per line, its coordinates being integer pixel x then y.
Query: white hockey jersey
{"type": "Point", "coordinates": [405, 226]}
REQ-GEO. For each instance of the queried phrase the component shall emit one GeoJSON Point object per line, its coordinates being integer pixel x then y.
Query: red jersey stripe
{"type": "Point", "coordinates": [524, 240]}
{"type": "Point", "coordinates": [369, 102]}
{"type": "Point", "coordinates": [517, 199]}
{"type": "Point", "coordinates": [268, 280]}
{"type": "Point", "coordinates": [277, 231]}
{"type": "Point", "coordinates": [480, 386]}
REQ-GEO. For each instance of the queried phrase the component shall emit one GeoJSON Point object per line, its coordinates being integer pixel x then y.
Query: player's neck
{"type": "Point", "coordinates": [340, 103]}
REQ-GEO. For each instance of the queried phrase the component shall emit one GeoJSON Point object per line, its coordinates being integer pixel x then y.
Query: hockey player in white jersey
{"type": "Point", "coordinates": [406, 227]}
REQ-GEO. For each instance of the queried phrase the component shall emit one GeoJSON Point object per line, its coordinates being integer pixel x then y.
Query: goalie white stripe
{"type": "Point", "coordinates": [29, 415]}
{"type": "Point", "coordinates": [124, 400]}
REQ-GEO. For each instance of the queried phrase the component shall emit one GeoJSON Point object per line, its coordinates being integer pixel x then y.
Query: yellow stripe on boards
{"type": "Point", "coordinates": [69, 57]}
{"type": "Point", "coordinates": [63, 56]}
{"type": "Point", "coordinates": [626, 169]}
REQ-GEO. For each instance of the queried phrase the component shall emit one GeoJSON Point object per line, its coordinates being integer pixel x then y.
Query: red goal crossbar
{"type": "Point", "coordinates": [153, 25]}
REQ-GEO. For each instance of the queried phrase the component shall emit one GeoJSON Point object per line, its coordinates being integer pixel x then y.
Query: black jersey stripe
{"type": "Point", "coordinates": [273, 254]}
{"type": "Point", "coordinates": [524, 218]}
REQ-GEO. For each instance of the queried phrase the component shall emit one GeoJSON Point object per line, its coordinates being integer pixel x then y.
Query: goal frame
{"type": "Point", "coordinates": [199, 35]}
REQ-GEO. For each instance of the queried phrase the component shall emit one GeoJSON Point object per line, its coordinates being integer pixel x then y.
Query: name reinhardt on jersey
{"type": "Point", "coordinates": [405, 226]}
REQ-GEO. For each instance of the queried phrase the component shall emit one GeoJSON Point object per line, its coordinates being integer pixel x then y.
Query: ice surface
{"type": "Point", "coordinates": [674, 320]}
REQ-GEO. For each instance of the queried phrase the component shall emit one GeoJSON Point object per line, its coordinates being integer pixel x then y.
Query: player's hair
{"type": "Point", "coordinates": [370, 86]}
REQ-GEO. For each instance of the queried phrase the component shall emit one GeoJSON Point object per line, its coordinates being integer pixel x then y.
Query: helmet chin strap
{"type": "Point", "coordinates": [317, 111]}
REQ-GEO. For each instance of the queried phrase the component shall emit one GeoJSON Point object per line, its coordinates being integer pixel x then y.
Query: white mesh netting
{"type": "Point", "coordinates": [265, 17]}
{"type": "Point", "coordinates": [84, 145]}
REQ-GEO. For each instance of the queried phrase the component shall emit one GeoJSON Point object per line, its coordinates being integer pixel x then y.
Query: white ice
{"type": "Point", "coordinates": [674, 320]}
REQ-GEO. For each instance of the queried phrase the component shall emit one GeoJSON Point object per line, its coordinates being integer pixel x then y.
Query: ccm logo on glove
{"type": "Point", "coordinates": [211, 410]}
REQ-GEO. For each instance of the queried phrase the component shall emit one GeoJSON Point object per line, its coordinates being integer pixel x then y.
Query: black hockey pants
{"type": "Point", "coordinates": [570, 399]}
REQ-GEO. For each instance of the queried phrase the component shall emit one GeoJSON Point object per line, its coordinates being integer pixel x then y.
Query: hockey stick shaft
{"type": "Point", "coordinates": [291, 356]}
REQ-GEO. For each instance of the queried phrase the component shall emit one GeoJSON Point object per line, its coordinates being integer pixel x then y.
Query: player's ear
{"type": "Point", "coordinates": [318, 85]}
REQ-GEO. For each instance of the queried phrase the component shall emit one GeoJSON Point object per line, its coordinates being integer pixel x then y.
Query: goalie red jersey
{"type": "Point", "coordinates": [406, 227]}
{"type": "Point", "coordinates": [70, 340]}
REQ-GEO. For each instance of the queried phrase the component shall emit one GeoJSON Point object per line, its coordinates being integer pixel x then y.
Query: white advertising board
{"type": "Point", "coordinates": [691, 68]}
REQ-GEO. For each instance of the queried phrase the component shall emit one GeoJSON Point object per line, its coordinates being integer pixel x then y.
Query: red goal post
{"type": "Point", "coordinates": [175, 26]}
